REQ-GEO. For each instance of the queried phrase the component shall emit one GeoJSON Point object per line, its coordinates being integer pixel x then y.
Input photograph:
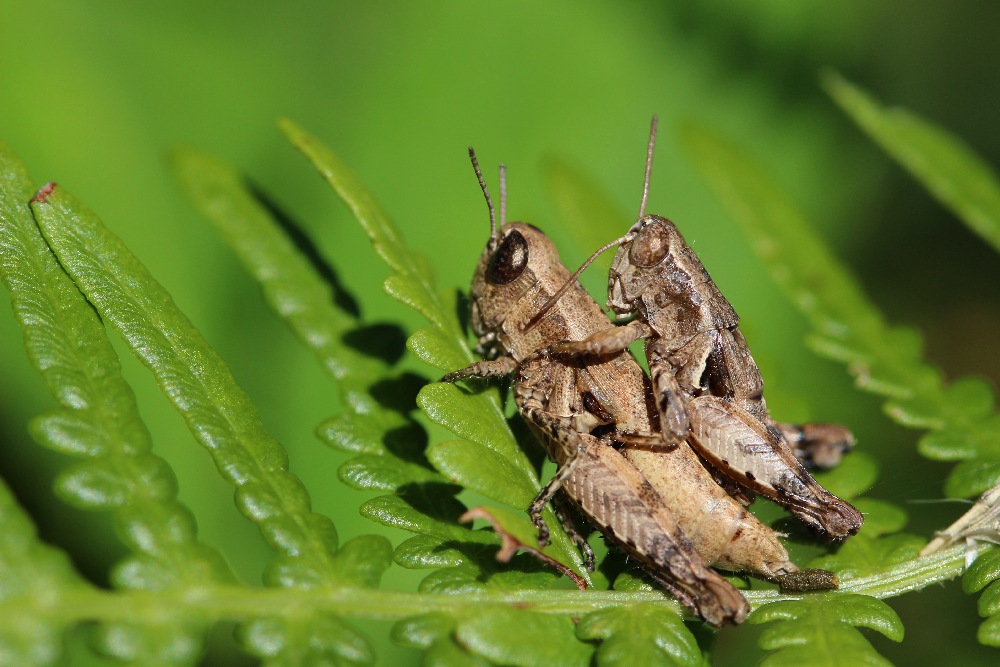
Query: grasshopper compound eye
{"type": "Point", "coordinates": [509, 261]}
{"type": "Point", "coordinates": [650, 247]}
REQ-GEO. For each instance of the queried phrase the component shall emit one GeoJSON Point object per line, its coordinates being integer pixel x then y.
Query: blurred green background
{"type": "Point", "coordinates": [94, 95]}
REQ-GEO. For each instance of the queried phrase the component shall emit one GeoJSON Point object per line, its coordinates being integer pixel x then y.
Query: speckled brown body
{"type": "Point", "coordinates": [708, 387]}
{"type": "Point", "coordinates": [663, 507]}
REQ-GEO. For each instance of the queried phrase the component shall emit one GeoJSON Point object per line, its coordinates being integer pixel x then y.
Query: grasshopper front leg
{"type": "Point", "coordinates": [604, 342]}
{"type": "Point", "coordinates": [561, 504]}
{"type": "Point", "coordinates": [546, 495]}
{"type": "Point", "coordinates": [670, 396]}
{"type": "Point", "coordinates": [501, 367]}
{"type": "Point", "coordinates": [567, 434]}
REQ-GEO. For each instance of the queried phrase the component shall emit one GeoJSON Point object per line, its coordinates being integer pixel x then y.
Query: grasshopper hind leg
{"type": "Point", "coordinates": [483, 369]}
{"type": "Point", "coordinates": [818, 445]}
{"type": "Point", "coordinates": [738, 446]}
{"type": "Point", "coordinates": [810, 579]}
{"type": "Point", "coordinates": [565, 513]}
{"type": "Point", "coordinates": [546, 495]}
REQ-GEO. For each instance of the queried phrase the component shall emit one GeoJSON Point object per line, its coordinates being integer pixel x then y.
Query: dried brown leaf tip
{"type": "Point", "coordinates": [510, 544]}
{"type": "Point", "coordinates": [44, 192]}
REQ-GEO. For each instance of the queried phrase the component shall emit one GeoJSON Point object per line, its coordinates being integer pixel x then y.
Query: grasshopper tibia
{"type": "Point", "coordinates": [810, 579]}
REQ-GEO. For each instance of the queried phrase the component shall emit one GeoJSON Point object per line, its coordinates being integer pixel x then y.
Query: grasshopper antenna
{"type": "Point", "coordinates": [537, 317]}
{"type": "Point", "coordinates": [486, 193]}
{"type": "Point", "coordinates": [628, 237]}
{"type": "Point", "coordinates": [649, 166]}
{"type": "Point", "coordinates": [503, 194]}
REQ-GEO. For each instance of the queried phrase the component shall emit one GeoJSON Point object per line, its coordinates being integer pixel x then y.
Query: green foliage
{"type": "Point", "coordinates": [97, 420]}
{"type": "Point", "coordinates": [949, 169]}
{"type": "Point", "coordinates": [984, 575]}
{"type": "Point", "coordinates": [198, 383]}
{"type": "Point", "coordinates": [961, 416]}
{"type": "Point", "coordinates": [478, 418]}
{"type": "Point", "coordinates": [640, 635]}
{"type": "Point", "coordinates": [539, 640]}
{"type": "Point", "coordinates": [821, 630]}
{"type": "Point", "coordinates": [879, 545]}
{"type": "Point", "coordinates": [69, 276]}
{"type": "Point", "coordinates": [34, 580]}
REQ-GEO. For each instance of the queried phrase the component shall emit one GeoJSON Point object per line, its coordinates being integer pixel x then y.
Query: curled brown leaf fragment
{"type": "Point", "coordinates": [510, 544]}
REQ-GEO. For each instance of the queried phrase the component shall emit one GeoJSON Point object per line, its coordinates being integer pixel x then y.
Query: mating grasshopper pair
{"type": "Point", "coordinates": [696, 441]}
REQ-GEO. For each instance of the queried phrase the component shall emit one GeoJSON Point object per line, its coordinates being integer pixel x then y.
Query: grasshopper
{"type": "Point", "coordinates": [579, 407]}
{"type": "Point", "coordinates": [707, 386]}
{"type": "Point", "coordinates": [980, 524]}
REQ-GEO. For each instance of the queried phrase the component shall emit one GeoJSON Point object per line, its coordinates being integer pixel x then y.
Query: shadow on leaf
{"type": "Point", "coordinates": [463, 311]}
{"type": "Point", "coordinates": [341, 297]}
{"type": "Point", "coordinates": [408, 442]}
{"type": "Point", "coordinates": [398, 393]}
{"type": "Point", "coordinates": [383, 341]}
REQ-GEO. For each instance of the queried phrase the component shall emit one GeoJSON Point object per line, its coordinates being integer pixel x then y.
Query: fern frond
{"type": "Point", "coordinates": [879, 545]}
{"type": "Point", "coordinates": [433, 634]}
{"type": "Point", "coordinates": [540, 640]}
{"type": "Point", "coordinates": [821, 630]}
{"type": "Point", "coordinates": [98, 420]}
{"type": "Point", "coordinates": [222, 418]}
{"type": "Point", "coordinates": [846, 327]}
{"type": "Point", "coordinates": [489, 461]}
{"type": "Point", "coordinates": [194, 378]}
{"type": "Point", "coordinates": [961, 416]}
{"type": "Point", "coordinates": [291, 284]}
{"type": "Point", "coordinates": [306, 302]}
{"type": "Point", "coordinates": [965, 184]}
{"type": "Point", "coordinates": [35, 579]}
{"type": "Point", "coordinates": [984, 573]}
{"type": "Point", "coordinates": [961, 180]}
{"type": "Point", "coordinates": [389, 443]}
{"type": "Point", "coordinates": [414, 285]}
{"type": "Point", "coordinates": [423, 502]}
{"type": "Point", "coordinates": [640, 635]}
{"type": "Point", "coordinates": [475, 417]}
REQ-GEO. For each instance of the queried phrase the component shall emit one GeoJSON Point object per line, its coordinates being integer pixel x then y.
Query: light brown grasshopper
{"type": "Point", "coordinates": [707, 386]}
{"type": "Point", "coordinates": [578, 407]}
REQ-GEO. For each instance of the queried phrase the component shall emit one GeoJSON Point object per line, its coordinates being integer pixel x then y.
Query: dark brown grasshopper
{"type": "Point", "coordinates": [708, 388]}
{"type": "Point", "coordinates": [578, 407]}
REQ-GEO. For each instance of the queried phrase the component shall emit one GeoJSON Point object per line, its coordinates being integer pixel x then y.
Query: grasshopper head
{"type": "Point", "coordinates": [507, 287]}
{"type": "Point", "coordinates": [646, 261]}
{"type": "Point", "coordinates": [508, 274]}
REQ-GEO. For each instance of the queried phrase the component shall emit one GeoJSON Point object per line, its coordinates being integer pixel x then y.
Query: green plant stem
{"type": "Point", "coordinates": [240, 603]}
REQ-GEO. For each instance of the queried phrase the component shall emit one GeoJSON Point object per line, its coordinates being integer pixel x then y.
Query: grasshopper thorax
{"type": "Point", "coordinates": [656, 274]}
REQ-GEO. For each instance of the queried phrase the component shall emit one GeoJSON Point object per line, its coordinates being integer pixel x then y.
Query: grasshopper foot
{"type": "Point", "coordinates": [811, 579]}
